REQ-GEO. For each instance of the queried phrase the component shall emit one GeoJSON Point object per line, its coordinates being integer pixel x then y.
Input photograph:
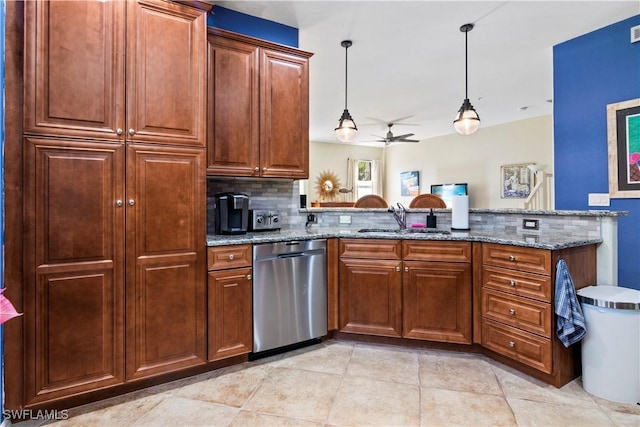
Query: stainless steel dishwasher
{"type": "Point", "coordinates": [289, 293]}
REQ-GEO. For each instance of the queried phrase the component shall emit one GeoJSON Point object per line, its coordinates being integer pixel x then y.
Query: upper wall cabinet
{"type": "Point", "coordinates": [116, 70]}
{"type": "Point", "coordinates": [258, 108]}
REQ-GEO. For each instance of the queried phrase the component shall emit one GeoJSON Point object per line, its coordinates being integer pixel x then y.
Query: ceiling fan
{"type": "Point", "coordinates": [391, 138]}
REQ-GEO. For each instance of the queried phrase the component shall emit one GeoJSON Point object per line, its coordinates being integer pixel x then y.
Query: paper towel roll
{"type": "Point", "coordinates": [460, 212]}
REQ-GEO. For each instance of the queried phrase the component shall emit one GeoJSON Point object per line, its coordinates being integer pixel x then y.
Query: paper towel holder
{"type": "Point", "coordinates": [460, 223]}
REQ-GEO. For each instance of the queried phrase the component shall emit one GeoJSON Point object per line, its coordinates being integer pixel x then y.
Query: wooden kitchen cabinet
{"type": "Point", "coordinates": [86, 61]}
{"type": "Point", "coordinates": [114, 213]}
{"type": "Point", "coordinates": [370, 287]}
{"type": "Point", "coordinates": [258, 107]}
{"type": "Point", "coordinates": [518, 319]}
{"type": "Point", "coordinates": [229, 302]}
{"type": "Point", "coordinates": [437, 291]}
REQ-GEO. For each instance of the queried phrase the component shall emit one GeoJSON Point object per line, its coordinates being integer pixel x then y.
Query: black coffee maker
{"type": "Point", "coordinates": [232, 213]}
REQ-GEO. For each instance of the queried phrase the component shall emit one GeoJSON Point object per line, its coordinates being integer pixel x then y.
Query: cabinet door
{"type": "Point", "coordinates": [370, 297]}
{"type": "Point", "coordinates": [74, 250]}
{"type": "Point", "coordinates": [166, 73]}
{"type": "Point", "coordinates": [233, 108]}
{"type": "Point", "coordinates": [74, 68]}
{"type": "Point", "coordinates": [166, 264]}
{"type": "Point", "coordinates": [437, 301]}
{"type": "Point", "coordinates": [284, 115]}
{"type": "Point", "coordinates": [230, 319]}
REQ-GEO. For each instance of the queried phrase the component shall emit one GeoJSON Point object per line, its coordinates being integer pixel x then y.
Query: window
{"type": "Point", "coordinates": [364, 183]}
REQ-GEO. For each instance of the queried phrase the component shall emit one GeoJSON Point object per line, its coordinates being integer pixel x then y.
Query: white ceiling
{"type": "Point", "coordinates": [407, 57]}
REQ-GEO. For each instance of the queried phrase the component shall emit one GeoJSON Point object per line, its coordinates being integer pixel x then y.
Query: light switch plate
{"type": "Point", "coordinates": [345, 219]}
{"type": "Point", "coordinates": [599, 199]}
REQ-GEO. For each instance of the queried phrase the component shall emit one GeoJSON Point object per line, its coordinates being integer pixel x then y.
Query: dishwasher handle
{"type": "Point", "coordinates": [291, 255]}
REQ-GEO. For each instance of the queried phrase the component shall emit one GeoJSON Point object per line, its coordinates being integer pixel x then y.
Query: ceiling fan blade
{"type": "Point", "coordinates": [406, 135]}
{"type": "Point", "coordinates": [408, 140]}
{"type": "Point", "coordinates": [400, 119]}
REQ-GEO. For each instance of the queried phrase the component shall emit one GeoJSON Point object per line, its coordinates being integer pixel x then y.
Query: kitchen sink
{"type": "Point", "coordinates": [405, 231]}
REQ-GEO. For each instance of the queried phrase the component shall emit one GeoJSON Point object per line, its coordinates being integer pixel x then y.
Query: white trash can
{"type": "Point", "coordinates": [611, 346]}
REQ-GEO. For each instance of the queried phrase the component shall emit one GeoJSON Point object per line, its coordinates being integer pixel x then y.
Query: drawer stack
{"type": "Point", "coordinates": [517, 309]}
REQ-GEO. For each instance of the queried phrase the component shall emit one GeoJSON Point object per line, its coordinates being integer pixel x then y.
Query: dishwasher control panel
{"type": "Point", "coordinates": [264, 219]}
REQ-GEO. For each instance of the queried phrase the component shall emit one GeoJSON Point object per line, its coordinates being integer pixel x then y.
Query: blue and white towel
{"type": "Point", "coordinates": [570, 324]}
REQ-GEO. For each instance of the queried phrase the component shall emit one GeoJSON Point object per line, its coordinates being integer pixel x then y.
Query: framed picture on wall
{"type": "Point", "coordinates": [623, 133]}
{"type": "Point", "coordinates": [516, 181]}
{"type": "Point", "coordinates": [410, 183]}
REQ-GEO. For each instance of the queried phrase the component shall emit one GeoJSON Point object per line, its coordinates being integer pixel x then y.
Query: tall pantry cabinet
{"type": "Point", "coordinates": [114, 193]}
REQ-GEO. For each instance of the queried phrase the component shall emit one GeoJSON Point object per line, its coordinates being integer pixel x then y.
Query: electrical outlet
{"type": "Point", "coordinates": [345, 219]}
{"type": "Point", "coordinates": [530, 224]}
{"type": "Point", "coordinates": [598, 199]}
{"type": "Point", "coordinates": [312, 219]}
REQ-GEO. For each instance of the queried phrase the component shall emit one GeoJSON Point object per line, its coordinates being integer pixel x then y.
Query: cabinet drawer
{"type": "Point", "coordinates": [519, 345]}
{"type": "Point", "coordinates": [370, 248]}
{"type": "Point", "coordinates": [436, 251]}
{"type": "Point", "coordinates": [223, 257]}
{"type": "Point", "coordinates": [524, 259]}
{"type": "Point", "coordinates": [517, 283]}
{"type": "Point", "coordinates": [532, 316]}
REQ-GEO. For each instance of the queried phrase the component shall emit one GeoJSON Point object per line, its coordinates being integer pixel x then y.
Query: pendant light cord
{"type": "Point", "coordinates": [466, 62]}
{"type": "Point", "coordinates": [346, 58]}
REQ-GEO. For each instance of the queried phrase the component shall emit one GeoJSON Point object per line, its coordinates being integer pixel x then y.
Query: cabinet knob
{"type": "Point", "coordinates": [118, 131]}
{"type": "Point", "coordinates": [512, 311]}
{"type": "Point", "coordinates": [512, 258]}
{"type": "Point", "coordinates": [248, 277]}
{"type": "Point", "coordinates": [230, 257]}
{"type": "Point", "coordinates": [264, 169]}
{"type": "Point", "coordinates": [512, 344]}
{"type": "Point", "coordinates": [256, 169]}
{"type": "Point", "coordinates": [406, 269]}
{"type": "Point", "coordinates": [398, 268]}
{"type": "Point", "coordinates": [119, 203]}
{"type": "Point", "coordinates": [132, 202]}
{"type": "Point", "coordinates": [132, 132]}
{"type": "Point", "coordinates": [512, 282]}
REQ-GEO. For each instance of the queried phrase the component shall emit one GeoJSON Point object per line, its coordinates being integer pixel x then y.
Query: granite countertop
{"type": "Point", "coordinates": [553, 241]}
{"type": "Point", "coordinates": [591, 213]}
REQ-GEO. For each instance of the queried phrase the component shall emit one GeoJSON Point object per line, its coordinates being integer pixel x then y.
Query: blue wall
{"type": "Point", "coordinates": [252, 26]}
{"type": "Point", "coordinates": [589, 72]}
{"type": "Point", "coordinates": [2, 11]}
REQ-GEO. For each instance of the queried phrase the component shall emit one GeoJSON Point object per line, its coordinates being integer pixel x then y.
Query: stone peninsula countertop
{"type": "Point", "coordinates": [506, 211]}
{"type": "Point", "coordinates": [553, 241]}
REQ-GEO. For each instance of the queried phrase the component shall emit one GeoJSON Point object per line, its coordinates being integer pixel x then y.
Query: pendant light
{"type": "Point", "coordinates": [467, 121]}
{"type": "Point", "coordinates": [346, 130]}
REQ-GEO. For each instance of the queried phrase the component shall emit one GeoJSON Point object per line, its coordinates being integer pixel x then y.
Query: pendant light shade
{"type": "Point", "coordinates": [347, 129]}
{"type": "Point", "coordinates": [467, 120]}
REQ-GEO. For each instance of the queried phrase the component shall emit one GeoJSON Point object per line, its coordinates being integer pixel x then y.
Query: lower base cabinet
{"type": "Point", "coordinates": [229, 302]}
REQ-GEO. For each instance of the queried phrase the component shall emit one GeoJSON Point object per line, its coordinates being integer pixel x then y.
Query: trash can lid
{"type": "Point", "coordinates": [610, 297]}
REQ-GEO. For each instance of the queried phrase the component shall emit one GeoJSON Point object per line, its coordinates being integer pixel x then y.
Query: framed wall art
{"type": "Point", "coordinates": [516, 181]}
{"type": "Point", "coordinates": [623, 134]}
{"type": "Point", "coordinates": [410, 183]}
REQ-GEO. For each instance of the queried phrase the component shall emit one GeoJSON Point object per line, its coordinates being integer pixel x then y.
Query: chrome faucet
{"type": "Point", "coordinates": [400, 215]}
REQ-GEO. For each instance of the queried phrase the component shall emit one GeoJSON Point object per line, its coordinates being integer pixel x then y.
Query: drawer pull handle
{"type": "Point", "coordinates": [512, 311]}
{"type": "Point", "coordinates": [512, 282]}
{"type": "Point", "coordinates": [512, 258]}
{"type": "Point", "coordinates": [512, 344]}
{"type": "Point", "coordinates": [230, 257]}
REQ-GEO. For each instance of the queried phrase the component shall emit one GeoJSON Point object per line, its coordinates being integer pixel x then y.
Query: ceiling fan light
{"type": "Point", "coordinates": [346, 130]}
{"type": "Point", "coordinates": [467, 120]}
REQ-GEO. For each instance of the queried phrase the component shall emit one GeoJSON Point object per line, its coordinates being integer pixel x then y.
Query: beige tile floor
{"type": "Point", "coordinates": [340, 383]}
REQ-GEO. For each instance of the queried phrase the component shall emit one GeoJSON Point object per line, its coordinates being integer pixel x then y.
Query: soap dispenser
{"type": "Point", "coordinates": [431, 220]}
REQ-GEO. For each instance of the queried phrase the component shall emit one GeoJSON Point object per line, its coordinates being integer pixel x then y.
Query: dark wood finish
{"type": "Point", "coordinates": [427, 201]}
{"type": "Point", "coordinates": [476, 265]}
{"type": "Point", "coordinates": [515, 257]}
{"type": "Point", "coordinates": [371, 248]}
{"type": "Point", "coordinates": [529, 315]}
{"type": "Point", "coordinates": [518, 283]}
{"type": "Point", "coordinates": [74, 69]}
{"type": "Point", "coordinates": [258, 108]}
{"type": "Point", "coordinates": [332, 284]}
{"type": "Point", "coordinates": [230, 317]}
{"type": "Point", "coordinates": [437, 301]}
{"type": "Point", "coordinates": [517, 344]}
{"type": "Point", "coordinates": [371, 201]}
{"type": "Point", "coordinates": [436, 251]}
{"type": "Point", "coordinates": [233, 108]}
{"type": "Point", "coordinates": [165, 290]}
{"type": "Point", "coordinates": [74, 239]}
{"type": "Point", "coordinates": [370, 295]}
{"type": "Point", "coordinates": [166, 73]}
{"type": "Point", "coordinates": [224, 257]}
{"type": "Point", "coordinates": [13, 199]}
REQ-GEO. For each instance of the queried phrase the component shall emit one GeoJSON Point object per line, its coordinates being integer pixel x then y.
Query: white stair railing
{"type": "Point", "coordinates": [541, 196]}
